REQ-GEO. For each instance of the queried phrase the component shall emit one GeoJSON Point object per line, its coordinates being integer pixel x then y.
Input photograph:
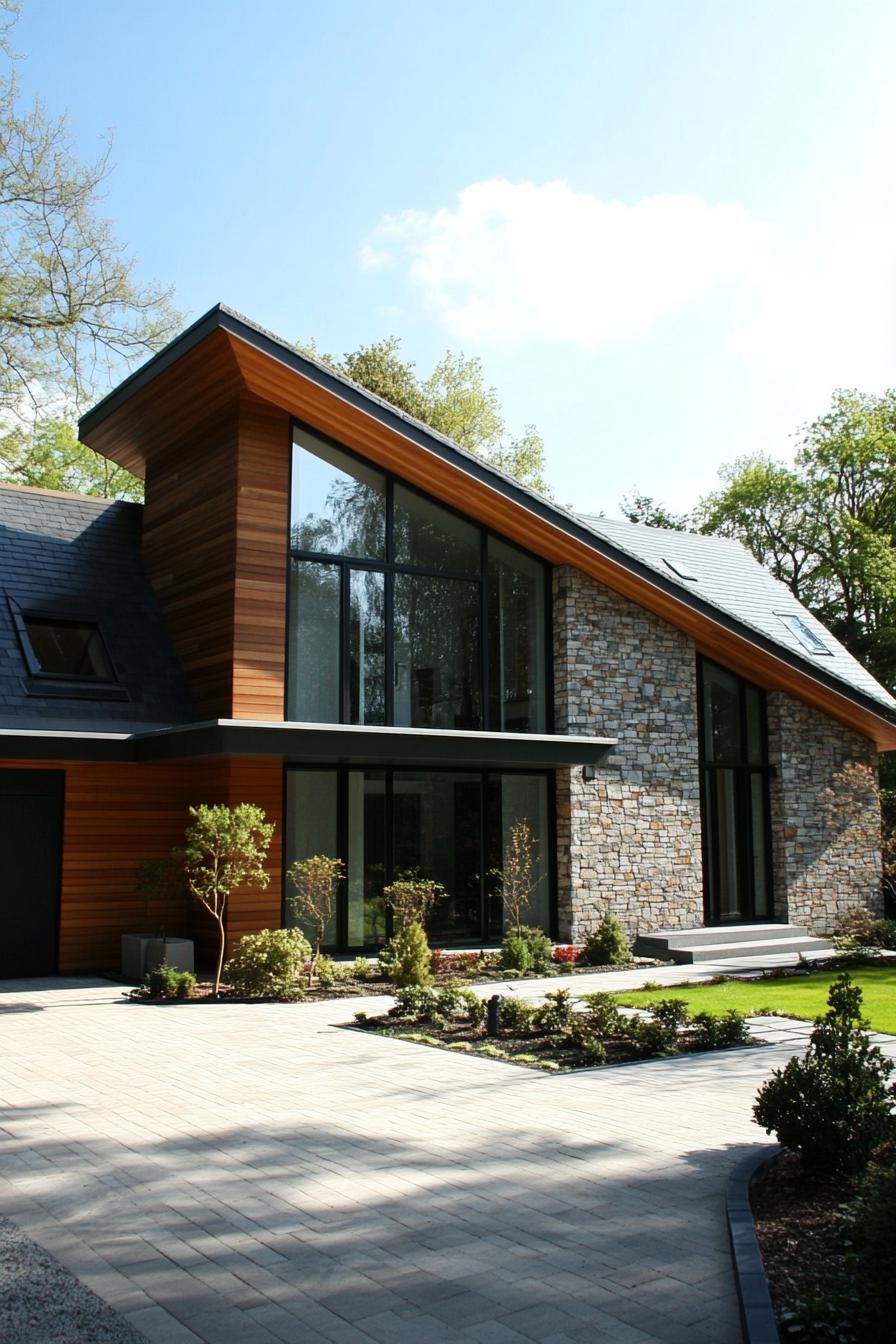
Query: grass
{"type": "Point", "coordinates": [802, 996]}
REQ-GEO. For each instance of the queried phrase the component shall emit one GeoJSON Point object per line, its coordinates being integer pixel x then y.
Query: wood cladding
{"type": "Point", "coordinates": [117, 815]}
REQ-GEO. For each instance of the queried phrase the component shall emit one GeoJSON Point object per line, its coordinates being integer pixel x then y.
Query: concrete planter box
{"type": "Point", "coordinates": [141, 952]}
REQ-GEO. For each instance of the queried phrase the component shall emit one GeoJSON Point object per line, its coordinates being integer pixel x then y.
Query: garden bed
{"type": "Point", "coordinates": [559, 1035]}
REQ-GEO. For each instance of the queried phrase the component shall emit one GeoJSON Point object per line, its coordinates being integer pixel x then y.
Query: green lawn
{"type": "Point", "coordinates": [803, 996]}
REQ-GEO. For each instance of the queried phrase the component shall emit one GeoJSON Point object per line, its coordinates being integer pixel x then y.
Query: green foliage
{"type": "Point", "coordinates": [224, 848]}
{"type": "Point", "coordinates": [556, 1014]}
{"type": "Point", "coordinates": [360, 968]}
{"type": "Point", "coordinates": [330, 972]}
{"type": "Point", "coordinates": [267, 963]}
{"type": "Point", "coordinates": [718, 1033]}
{"type": "Point", "coordinates": [527, 950]}
{"type": "Point", "coordinates": [472, 1008]}
{"type": "Point", "coordinates": [516, 1017]}
{"type": "Point", "coordinates": [167, 982]}
{"type": "Point", "coordinates": [454, 400]}
{"type": "Point", "coordinates": [835, 1105]}
{"type": "Point", "coordinates": [671, 1012]}
{"type": "Point", "coordinates": [649, 1037]}
{"type": "Point", "coordinates": [859, 928]}
{"type": "Point", "coordinates": [412, 899]}
{"type": "Point", "coordinates": [875, 1260]}
{"type": "Point", "coordinates": [601, 1016]}
{"type": "Point", "coordinates": [405, 960]}
{"type": "Point", "coordinates": [650, 512]}
{"type": "Point", "coordinates": [46, 453]}
{"type": "Point", "coordinates": [607, 945]}
{"type": "Point", "coordinates": [316, 882]}
{"type": "Point", "coordinates": [161, 883]}
{"type": "Point", "coordinates": [826, 527]}
{"type": "Point", "coordinates": [516, 880]}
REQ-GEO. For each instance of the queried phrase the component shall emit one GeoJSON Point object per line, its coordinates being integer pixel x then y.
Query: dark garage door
{"type": "Point", "coordinates": [30, 853]}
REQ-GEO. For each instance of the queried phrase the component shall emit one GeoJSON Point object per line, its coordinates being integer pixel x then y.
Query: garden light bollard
{"type": "Point", "coordinates": [492, 1015]}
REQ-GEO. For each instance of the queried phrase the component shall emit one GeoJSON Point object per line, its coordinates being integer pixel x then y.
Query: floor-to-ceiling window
{"type": "Point", "coordinates": [403, 612]}
{"type": "Point", "coordinates": [734, 779]}
{"type": "Point", "coordinates": [453, 826]}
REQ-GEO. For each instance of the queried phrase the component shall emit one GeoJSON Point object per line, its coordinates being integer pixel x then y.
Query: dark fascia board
{"type": "Point", "coordinates": [302, 743]}
{"type": "Point", "coordinates": [227, 319]}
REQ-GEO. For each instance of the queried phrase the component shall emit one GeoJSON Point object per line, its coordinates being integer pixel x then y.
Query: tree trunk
{"type": "Point", "coordinates": [222, 937]}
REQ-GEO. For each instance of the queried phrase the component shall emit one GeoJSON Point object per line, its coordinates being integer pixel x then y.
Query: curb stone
{"type": "Point", "coordinates": [756, 1313]}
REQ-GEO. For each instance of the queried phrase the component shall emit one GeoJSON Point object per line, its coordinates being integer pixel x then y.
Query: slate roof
{"type": "Point", "coordinates": [726, 576]}
{"type": "Point", "coordinates": [80, 558]}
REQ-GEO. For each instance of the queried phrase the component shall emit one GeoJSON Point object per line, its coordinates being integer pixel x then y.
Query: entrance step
{"type": "Point", "coordinates": [728, 941]}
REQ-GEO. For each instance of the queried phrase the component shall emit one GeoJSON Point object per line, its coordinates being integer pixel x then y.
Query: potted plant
{"type": "Point", "coordinates": [161, 883]}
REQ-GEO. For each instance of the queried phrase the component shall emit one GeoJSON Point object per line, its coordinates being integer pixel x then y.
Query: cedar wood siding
{"type": "Point", "coordinates": [117, 815]}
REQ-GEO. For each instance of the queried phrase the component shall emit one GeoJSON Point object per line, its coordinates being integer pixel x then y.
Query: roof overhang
{"type": "Point", "coordinates": [223, 357]}
{"type": "Point", "coordinates": [311, 744]}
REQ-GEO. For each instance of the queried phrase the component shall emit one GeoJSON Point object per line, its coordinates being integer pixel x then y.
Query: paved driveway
{"type": "Point", "coordinates": [257, 1174]}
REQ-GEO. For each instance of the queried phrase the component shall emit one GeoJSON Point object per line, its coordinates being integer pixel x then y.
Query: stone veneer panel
{"type": "Point", "coordinates": [629, 841]}
{"type": "Point", "coordinates": [825, 816]}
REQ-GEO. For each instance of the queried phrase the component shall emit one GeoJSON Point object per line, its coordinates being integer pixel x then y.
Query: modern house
{"type": "Point", "coordinates": [325, 608]}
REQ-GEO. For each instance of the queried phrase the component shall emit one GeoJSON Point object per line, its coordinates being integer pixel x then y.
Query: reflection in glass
{"type": "Point", "coordinates": [437, 678]}
{"type": "Point", "coordinates": [367, 647]}
{"type": "Point", "coordinates": [728, 895]}
{"type": "Point", "coordinates": [755, 735]}
{"type": "Point", "coordinates": [311, 812]}
{"type": "Point", "coordinates": [313, 685]}
{"type": "Point", "coordinates": [721, 709]}
{"type": "Point", "coordinates": [430, 537]}
{"type": "Point", "coordinates": [758, 816]}
{"type": "Point", "coordinates": [510, 800]}
{"type": "Point", "coordinates": [436, 833]}
{"type": "Point", "coordinates": [366, 869]}
{"type": "Point", "coordinates": [516, 621]}
{"type": "Point", "coordinates": [338, 504]}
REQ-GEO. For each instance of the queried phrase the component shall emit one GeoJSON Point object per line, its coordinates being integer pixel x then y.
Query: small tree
{"type": "Point", "coordinates": [412, 898]}
{"type": "Point", "coordinates": [316, 881]}
{"type": "Point", "coordinates": [835, 1105]}
{"type": "Point", "coordinates": [224, 848]}
{"type": "Point", "coordinates": [516, 879]}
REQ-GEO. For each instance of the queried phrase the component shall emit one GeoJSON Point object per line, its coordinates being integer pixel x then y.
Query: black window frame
{"type": "Point", "coordinates": [342, 835]}
{"type": "Point", "coordinates": [79, 682]}
{"type": "Point", "coordinates": [389, 567]}
{"type": "Point", "coordinates": [744, 769]}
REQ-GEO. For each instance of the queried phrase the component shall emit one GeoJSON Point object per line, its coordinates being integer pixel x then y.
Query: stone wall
{"type": "Point", "coordinates": [825, 816]}
{"type": "Point", "coordinates": [628, 841]}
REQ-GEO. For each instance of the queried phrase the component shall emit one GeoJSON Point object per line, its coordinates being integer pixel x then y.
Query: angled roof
{"type": "Point", "coordinates": [79, 558]}
{"type": "Point", "coordinates": [731, 610]}
{"type": "Point", "coordinates": [726, 575]}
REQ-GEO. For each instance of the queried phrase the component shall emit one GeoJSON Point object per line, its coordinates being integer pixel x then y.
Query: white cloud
{"type": "Point", "coordinates": [525, 262]}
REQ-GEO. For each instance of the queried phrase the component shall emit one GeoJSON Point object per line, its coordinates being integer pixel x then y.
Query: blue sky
{"type": "Point", "coordinates": [665, 226]}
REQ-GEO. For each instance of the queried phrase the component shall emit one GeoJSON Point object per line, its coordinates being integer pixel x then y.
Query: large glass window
{"type": "Point", "coordinates": [453, 827]}
{"type": "Point", "coordinates": [735, 797]}
{"type": "Point", "coordinates": [401, 611]}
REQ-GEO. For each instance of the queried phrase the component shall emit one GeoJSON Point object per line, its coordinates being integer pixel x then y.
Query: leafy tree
{"type": "Point", "coordinates": [47, 454]}
{"type": "Point", "coordinates": [645, 509]}
{"type": "Point", "coordinates": [72, 314]}
{"type": "Point", "coordinates": [224, 848]}
{"type": "Point", "coordinates": [827, 526]}
{"type": "Point", "coordinates": [454, 400]}
{"type": "Point", "coordinates": [316, 881]}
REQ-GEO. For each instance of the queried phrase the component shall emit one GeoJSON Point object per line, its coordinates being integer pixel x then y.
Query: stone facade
{"type": "Point", "coordinates": [628, 841]}
{"type": "Point", "coordinates": [825, 816]}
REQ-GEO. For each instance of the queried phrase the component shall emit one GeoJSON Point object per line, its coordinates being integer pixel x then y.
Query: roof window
{"type": "Point", "coordinates": [801, 629]}
{"type": "Point", "coordinates": [61, 648]}
{"type": "Point", "coordinates": [679, 568]}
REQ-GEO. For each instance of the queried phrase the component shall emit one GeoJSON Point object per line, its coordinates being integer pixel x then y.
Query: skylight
{"type": "Point", "coordinates": [810, 641]}
{"type": "Point", "coordinates": [680, 568]}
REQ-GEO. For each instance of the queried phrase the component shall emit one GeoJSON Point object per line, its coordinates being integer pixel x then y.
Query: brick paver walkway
{"type": "Point", "coordinates": [257, 1174]}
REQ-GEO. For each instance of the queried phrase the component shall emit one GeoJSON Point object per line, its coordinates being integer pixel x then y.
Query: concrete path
{"type": "Point", "coordinates": [257, 1174]}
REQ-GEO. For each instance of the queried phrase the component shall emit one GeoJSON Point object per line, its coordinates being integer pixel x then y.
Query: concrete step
{"type": "Point", "coordinates": [726, 942]}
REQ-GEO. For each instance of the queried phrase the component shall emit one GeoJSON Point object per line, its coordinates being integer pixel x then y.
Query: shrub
{"type": "Point", "coordinates": [556, 1014]}
{"type": "Point", "coordinates": [412, 899]}
{"type": "Point", "coordinates": [267, 962]}
{"type": "Point", "coordinates": [592, 1048]}
{"type": "Point", "coordinates": [602, 1017]}
{"type": "Point", "coordinates": [649, 1037]}
{"type": "Point", "coordinates": [670, 1012]}
{"type": "Point", "coordinates": [516, 881]}
{"type": "Point", "coordinates": [415, 1001]}
{"type": "Point", "coordinates": [360, 968]}
{"type": "Point", "coordinates": [473, 1009]}
{"type": "Point", "coordinates": [876, 1249]}
{"type": "Point", "coordinates": [565, 954]}
{"type": "Point", "coordinates": [516, 1017]}
{"type": "Point", "coordinates": [715, 1033]}
{"type": "Point", "coordinates": [167, 982]}
{"type": "Point", "coordinates": [330, 972]}
{"type": "Point", "coordinates": [405, 960]}
{"type": "Point", "coordinates": [833, 1106]}
{"type": "Point", "coordinates": [526, 949]}
{"type": "Point", "coordinates": [607, 945]}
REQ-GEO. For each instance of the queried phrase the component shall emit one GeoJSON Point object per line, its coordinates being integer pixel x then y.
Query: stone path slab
{"type": "Point", "coordinates": [256, 1173]}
